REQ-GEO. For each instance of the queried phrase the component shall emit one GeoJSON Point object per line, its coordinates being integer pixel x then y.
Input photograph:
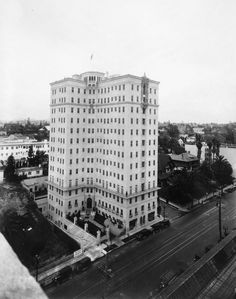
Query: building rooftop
{"type": "Point", "coordinates": [34, 181]}
{"type": "Point", "coordinates": [15, 138]}
{"type": "Point", "coordinates": [45, 128]}
{"type": "Point", "coordinates": [79, 77]}
{"type": "Point", "coordinates": [185, 157]}
{"type": "Point", "coordinates": [29, 168]}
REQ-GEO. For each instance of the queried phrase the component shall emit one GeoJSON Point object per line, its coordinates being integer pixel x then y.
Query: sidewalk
{"type": "Point", "coordinates": [57, 268]}
{"type": "Point", "coordinates": [201, 201]}
{"type": "Point", "coordinates": [169, 211]}
{"type": "Point", "coordinates": [178, 207]}
{"type": "Point", "coordinates": [223, 286]}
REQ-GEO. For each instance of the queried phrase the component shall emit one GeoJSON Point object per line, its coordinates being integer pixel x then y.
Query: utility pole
{"type": "Point", "coordinates": [220, 224]}
{"type": "Point", "coordinates": [37, 266]}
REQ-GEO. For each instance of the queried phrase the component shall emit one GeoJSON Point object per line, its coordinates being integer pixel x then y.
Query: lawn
{"type": "Point", "coordinates": [28, 231]}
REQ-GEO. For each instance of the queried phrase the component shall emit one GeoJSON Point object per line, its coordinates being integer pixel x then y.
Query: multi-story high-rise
{"type": "Point", "coordinates": [103, 148]}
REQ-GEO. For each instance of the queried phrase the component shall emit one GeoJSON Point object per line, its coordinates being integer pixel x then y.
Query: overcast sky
{"type": "Point", "coordinates": [189, 46]}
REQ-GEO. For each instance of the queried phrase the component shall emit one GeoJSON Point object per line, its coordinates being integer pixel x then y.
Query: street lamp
{"type": "Point", "coordinates": [164, 211]}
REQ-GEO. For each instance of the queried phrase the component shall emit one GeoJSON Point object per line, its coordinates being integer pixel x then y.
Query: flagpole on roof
{"type": "Point", "coordinates": [91, 61]}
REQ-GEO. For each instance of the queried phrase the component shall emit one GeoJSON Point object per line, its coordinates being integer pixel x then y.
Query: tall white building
{"type": "Point", "coordinates": [103, 148]}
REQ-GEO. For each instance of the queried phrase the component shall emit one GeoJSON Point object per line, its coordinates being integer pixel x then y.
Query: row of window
{"type": "Point", "coordinates": [99, 110]}
{"type": "Point", "coordinates": [104, 184]}
{"type": "Point", "coordinates": [91, 130]}
{"type": "Point", "coordinates": [108, 195]}
{"type": "Point", "coordinates": [102, 90]}
{"type": "Point", "coordinates": [23, 146]}
{"type": "Point", "coordinates": [108, 100]}
{"type": "Point", "coordinates": [105, 132]}
{"type": "Point", "coordinates": [102, 161]}
{"type": "Point", "coordinates": [104, 152]}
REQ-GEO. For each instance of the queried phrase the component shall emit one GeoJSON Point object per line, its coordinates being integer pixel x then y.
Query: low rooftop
{"type": "Point", "coordinates": [35, 181]}
{"type": "Point", "coordinates": [29, 168]}
{"type": "Point", "coordinates": [185, 157]}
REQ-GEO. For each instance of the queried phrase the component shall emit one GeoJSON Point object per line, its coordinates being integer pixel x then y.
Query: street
{"type": "Point", "coordinates": [138, 266]}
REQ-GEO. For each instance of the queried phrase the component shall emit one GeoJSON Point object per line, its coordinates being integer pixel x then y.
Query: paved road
{"type": "Point", "coordinates": [137, 267]}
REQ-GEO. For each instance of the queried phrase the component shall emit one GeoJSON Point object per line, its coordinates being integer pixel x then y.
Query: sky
{"type": "Point", "coordinates": [189, 46]}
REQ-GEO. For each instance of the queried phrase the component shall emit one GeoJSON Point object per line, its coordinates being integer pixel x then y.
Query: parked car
{"type": "Point", "coordinates": [165, 223]}
{"type": "Point", "coordinates": [64, 274]}
{"type": "Point", "coordinates": [160, 225]}
{"type": "Point", "coordinates": [82, 265]}
{"type": "Point", "coordinates": [143, 234]}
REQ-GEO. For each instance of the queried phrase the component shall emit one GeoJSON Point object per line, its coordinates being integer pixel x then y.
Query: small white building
{"type": "Point", "coordinates": [180, 141]}
{"type": "Point", "coordinates": [38, 188]}
{"type": "Point", "coordinates": [30, 172]}
{"type": "Point", "coordinates": [191, 139]}
{"type": "Point", "coordinates": [3, 132]}
{"type": "Point", "coordinates": [1, 174]}
{"type": "Point", "coordinates": [45, 128]}
{"type": "Point", "coordinates": [198, 130]}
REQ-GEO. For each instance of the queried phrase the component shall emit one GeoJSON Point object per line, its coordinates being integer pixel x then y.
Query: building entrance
{"type": "Point", "coordinates": [89, 203]}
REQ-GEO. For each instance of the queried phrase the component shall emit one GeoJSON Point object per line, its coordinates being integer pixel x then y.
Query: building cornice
{"type": "Point", "coordinates": [124, 195]}
{"type": "Point", "coordinates": [101, 105]}
{"type": "Point", "coordinates": [104, 80]}
{"type": "Point", "coordinates": [68, 79]}
{"type": "Point", "coordinates": [120, 77]}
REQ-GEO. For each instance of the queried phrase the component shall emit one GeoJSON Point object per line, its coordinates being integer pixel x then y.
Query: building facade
{"type": "Point", "coordinates": [30, 172]}
{"type": "Point", "coordinates": [37, 187]}
{"type": "Point", "coordinates": [18, 146]}
{"type": "Point", "coordinates": [185, 160]}
{"type": "Point", "coordinates": [103, 148]}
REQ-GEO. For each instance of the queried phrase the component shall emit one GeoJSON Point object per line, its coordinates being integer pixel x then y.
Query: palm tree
{"type": "Point", "coordinates": [199, 146]}
{"type": "Point", "coordinates": [217, 148]}
{"type": "Point", "coordinates": [213, 148]}
{"type": "Point", "coordinates": [209, 144]}
{"type": "Point", "coordinates": [222, 171]}
{"type": "Point", "coordinates": [10, 169]}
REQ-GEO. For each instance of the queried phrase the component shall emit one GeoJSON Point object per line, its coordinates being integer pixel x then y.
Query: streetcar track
{"type": "Point", "coordinates": [127, 277]}
{"type": "Point", "coordinates": [159, 258]}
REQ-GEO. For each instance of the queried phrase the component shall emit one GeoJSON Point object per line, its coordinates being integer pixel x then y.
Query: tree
{"type": "Point", "coordinates": [39, 157]}
{"type": "Point", "coordinates": [163, 142]}
{"type": "Point", "coordinates": [173, 131]}
{"type": "Point", "coordinates": [199, 146]}
{"type": "Point", "coordinates": [205, 171]}
{"type": "Point", "coordinates": [217, 145]}
{"type": "Point", "coordinates": [183, 186]}
{"type": "Point", "coordinates": [31, 156]}
{"type": "Point", "coordinates": [209, 144]}
{"type": "Point", "coordinates": [10, 168]}
{"type": "Point", "coordinates": [175, 146]}
{"type": "Point", "coordinates": [222, 171]}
